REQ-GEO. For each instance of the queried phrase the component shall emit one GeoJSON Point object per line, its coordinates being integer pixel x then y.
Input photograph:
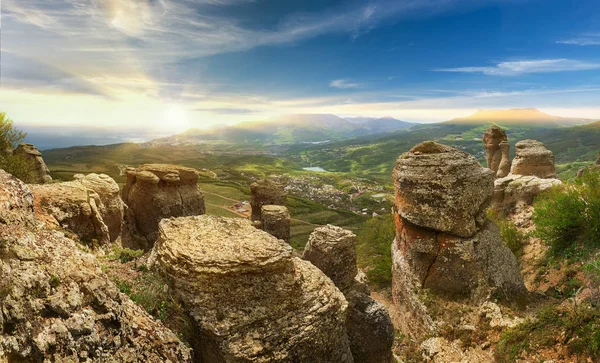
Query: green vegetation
{"type": "Point", "coordinates": [54, 281]}
{"type": "Point", "coordinates": [512, 236]}
{"type": "Point", "coordinates": [568, 217]}
{"type": "Point", "coordinates": [373, 249]}
{"type": "Point", "coordinates": [10, 137]}
{"type": "Point", "coordinates": [578, 330]}
{"type": "Point", "coordinates": [125, 254]}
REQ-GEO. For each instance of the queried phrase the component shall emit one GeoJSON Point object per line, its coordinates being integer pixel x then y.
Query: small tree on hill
{"type": "Point", "coordinates": [10, 137]}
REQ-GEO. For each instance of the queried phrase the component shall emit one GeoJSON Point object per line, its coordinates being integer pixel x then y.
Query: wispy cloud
{"type": "Point", "coordinates": [585, 39]}
{"type": "Point", "coordinates": [344, 84]}
{"type": "Point", "coordinates": [528, 66]}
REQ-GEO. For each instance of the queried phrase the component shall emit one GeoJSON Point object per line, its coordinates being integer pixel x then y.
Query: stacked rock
{"type": "Point", "coordinates": [250, 299]}
{"type": "Point", "coordinates": [275, 219]}
{"type": "Point", "coordinates": [369, 327]}
{"type": "Point", "coordinates": [157, 191]}
{"type": "Point", "coordinates": [497, 151]}
{"type": "Point", "coordinates": [36, 167]}
{"type": "Point", "coordinates": [533, 159]}
{"type": "Point", "coordinates": [444, 241]}
{"type": "Point", "coordinates": [265, 192]}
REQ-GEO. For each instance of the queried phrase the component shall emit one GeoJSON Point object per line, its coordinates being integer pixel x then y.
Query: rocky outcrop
{"type": "Point", "coordinates": [250, 299]}
{"type": "Point", "coordinates": [459, 256]}
{"type": "Point", "coordinates": [36, 167]}
{"type": "Point", "coordinates": [275, 220]}
{"type": "Point", "coordinates": [57, 305]}
{"type": "Point", "coordinates": [533, 159]}
{"type": "Point", "coordinates": [369, 326]}
{"type": "Point", "coordinates": [497, 151]}
{"type": "Point", "coordinates": [265, 192]}
{"type": "Point", "coordinates": [157, 191]}
{"type": "Point", "coordinates": [515, 192]}
{"type": "Point", "coordinates": [89, 206]}
{"type": "Point", "coordinates": [594, 166]}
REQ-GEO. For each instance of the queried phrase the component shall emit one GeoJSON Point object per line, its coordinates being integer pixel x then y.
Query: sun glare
{"type": "Point", "coordinates": [176, 119]}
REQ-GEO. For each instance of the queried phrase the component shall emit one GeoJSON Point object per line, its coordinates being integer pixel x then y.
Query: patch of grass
{"type": "Point", "coordinates": [54, 281]}
{"type": "Point", "coordinates": [373, 249]}
{"type": "Point", "coordinates": [125, 254]}
{"type": "Point", "coordinates": [511, 235]}
{"type": "Point", "coordinates": [578, 330]}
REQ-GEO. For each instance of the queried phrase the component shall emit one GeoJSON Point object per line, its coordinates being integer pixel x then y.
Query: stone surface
{"type": "Point", "coordinates": [251, 299]}
{"type": "Point", "coordinates": [514, 192]}
{"type": "Point", "coordinates": [265, 192]}
{"type": "Point", "coordinates": [368, 325]}
{"type": "Point", "coordinates": [56, 304]}
{"type": "Point", "coordinates": [497, 151]}
{"type": "Point", "coordinates": [275, 220]}
{"type": "Point", "coordinates": [157, 191]}
{"type": "Point", "coordinates": [89, 206]}
{"type": "Point", "coordinates": [38, 171]}
{"type": "Point", "coordinates": [441, 188]}
{"type": "Point", "coordinates": [533, 159]}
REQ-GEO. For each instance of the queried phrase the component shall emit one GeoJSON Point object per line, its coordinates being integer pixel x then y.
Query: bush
{"type": "Point", "coordinates": [511, 235]}
{"type": "Point", "coordinates": [374, 249]}
{"type": "Point", "coordinates": [125, 254]}
{"type": "Point", "coordinates": [10, 137]}
{"type": "Point", "coordinates": [567, 217]}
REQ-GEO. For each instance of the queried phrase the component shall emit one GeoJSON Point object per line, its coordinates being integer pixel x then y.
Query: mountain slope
{"type": "Point", "coordinates": [519, 116]}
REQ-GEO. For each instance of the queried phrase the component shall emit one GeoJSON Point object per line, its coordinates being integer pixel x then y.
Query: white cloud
{"type": "Point", "coordinates": [343, 84]}
{"type": "Point", "coordinates": [588, 39]}
{"type": "Point", "coordinates": [513, 68]}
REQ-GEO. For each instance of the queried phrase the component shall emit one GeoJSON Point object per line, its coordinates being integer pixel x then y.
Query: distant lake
{"type": "Point", "coordinates": [315, 168]}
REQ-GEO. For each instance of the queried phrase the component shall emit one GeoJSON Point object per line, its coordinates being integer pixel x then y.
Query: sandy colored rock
{"type": "Point", "coordinates": [441, 188]}
{"type": "Point", "coordinates": [38, 171]}
{"type": "Point", "coordinates": [157, 191]}
{"type": "Point", "coordinates": [89, 206]}
{"type": "Point", "coordinates": [275, 220]}
{"type": "Point", "coordinates": [265, 192]}
{"type": "Point", "coordinates": [57, 305]}
{"type": "Point", "coordinates": [514, 192]}
{"type": "Point", "coordinates": [497, 151]}
{"type": "Point", "coordinates": [533, 159]}
{"type": "Point", "coordinates": [251, 300]}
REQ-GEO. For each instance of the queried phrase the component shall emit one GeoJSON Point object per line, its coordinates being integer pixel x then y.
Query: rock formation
{"type": "Point", "coordinates": [89, 206]}
{"type": "Point", "coordinates": [56, 304]}
{"type": "Point", "coordinates": [251, 300]}
{"type": "Point", "coordinates": [265, 192]}
{"type": "Point", "coordinates": [533, 159]}
{"type": "Point", "coordinates": [594, 166]}
{"type": "Point", "coordinates": [37, 169]}
{"type": "Point", "coordinates": [369, 327]}
{"type": "Point", "coordinates": [497, 151]}
{"type": "Point", "coordinates": [444, 241]}
{"type": "Point", "coordinates": [275, 219]}
{"type": "Point", "coordinates": [157, 191]}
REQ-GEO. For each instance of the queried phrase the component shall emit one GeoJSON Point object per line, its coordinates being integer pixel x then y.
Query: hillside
{"type": "Point", "coordinates": [520, 117]}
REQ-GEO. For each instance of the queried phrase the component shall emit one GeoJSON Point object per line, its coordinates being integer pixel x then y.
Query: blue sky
{"type": "Point", "coordinates": [171, 64]}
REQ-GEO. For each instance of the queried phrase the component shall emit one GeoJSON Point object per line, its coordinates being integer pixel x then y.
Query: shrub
{"type": "Point", "coordinates": [511, 235]}
{"type": "Point", "coordinates": [125, 254]}
{"type": "Point", "coordinates": [567, 217]}
{"type": "Point", "coordinates": [374, 249]}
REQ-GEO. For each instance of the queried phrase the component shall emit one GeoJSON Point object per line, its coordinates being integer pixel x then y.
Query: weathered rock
{"type": "Point", "coordinates": [514, 192]}
{"type": "Point", "coordinates": [57, 305]}
{"type": "Point", "coordinates": [497, 151]}
{"type": "Point", "coordinates": [369, 326]}
{"type": "Point", "coordinates": [37, 169]}
{"type": "Point", "coordinates": [441, 188]}
{"type": "Point", "coordinates": [89, 206]}
{"type": "Point", "coordinates": [157, 191]}
{"type": "Point", "coordinates": [533, 159]}
{"type": "Point", "coordinates": [275, 220]}
{"type": "Point", "coordinates": [251, 299]}
{"type": "Point", "coordinates": [265, 192]}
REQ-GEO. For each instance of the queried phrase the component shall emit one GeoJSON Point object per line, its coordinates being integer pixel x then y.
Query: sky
{"type": "Point", "coordinates": [165, 65]}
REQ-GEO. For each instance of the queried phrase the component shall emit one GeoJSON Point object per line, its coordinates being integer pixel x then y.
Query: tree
{"type": "Point", "coordinates": [10, 137]}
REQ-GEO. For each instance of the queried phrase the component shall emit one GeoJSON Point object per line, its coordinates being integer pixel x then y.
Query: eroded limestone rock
{"type": "Point", "coordinates": [265, 192]}
{"type": "Point", "coordinates": [275, 220]}
{"type": "Point", "coordinates": [37, 169]}
{"type": "Point", "coordinates": [514, 192]}
{"type": "Point", "coordinates": [369, 327]}
{"type": "Point", "coordinates": [89, 206]}
{"type": "Point", "coordinates": [497, 151]}
{"type": "Point", "coordinates": [252, 301]}
{"type": "Point", "coordinates": [57, 305]}
{"type": "Point", "coordinates": [533, 159]}
{"type": "Point", "coordinates": [157, 191]}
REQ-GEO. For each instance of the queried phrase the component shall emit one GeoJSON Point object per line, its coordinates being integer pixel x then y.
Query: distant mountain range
{"type": "Point", "coordinates": [520, 117]}
{"type": "Point", "coordinates": [290, 129]}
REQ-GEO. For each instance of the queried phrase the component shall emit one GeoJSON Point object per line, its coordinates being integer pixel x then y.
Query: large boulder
{"type": "Point", "coordinates": [265, 192]}
{"type": "Point", "coordinates": [89, 206]}
{"type": "Point", "coordinates": [441, 188]}
{"type": "Point", "coordinates": [462, 258]}
{"type": "Point", "coordinates": [275, 220]}
{"type": "Point", "coordinates": [369, 326]}
{"type": "Point", "coordinates": [251, 300]}
{"type": "Point", "coordinates": [38, 172]}
{"type": "Point", "coordinates": [515, 192]}
{"type": "Point", "coordinates": [56, 304]}
{"type": "Point", "coordinates": [157, 191]}
{"type": "Point", "coordinates": [533, 159]}
{"type": "Point", "coordinates": [497, 151]}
